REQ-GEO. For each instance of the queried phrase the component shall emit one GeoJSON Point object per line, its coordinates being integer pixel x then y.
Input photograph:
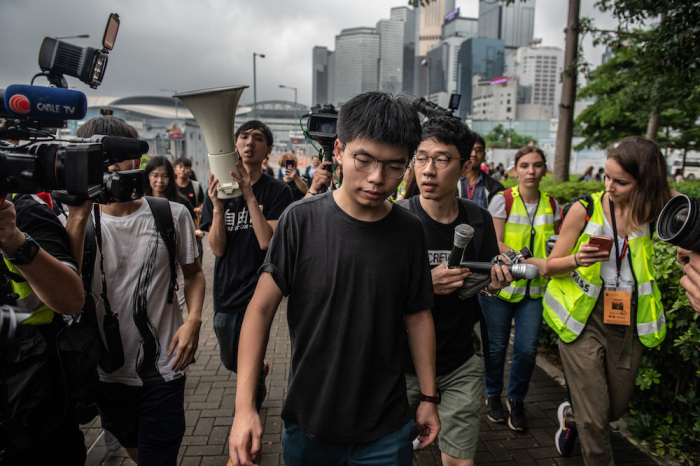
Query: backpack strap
{"type": "Point", "coordinates": [508, 196]}
{"type": "Point", "coordinates": [196, 188]}
{"type": "Point", "coordinates": [164, 224]}
{"type": "Point", "coordinates": [476, 220]}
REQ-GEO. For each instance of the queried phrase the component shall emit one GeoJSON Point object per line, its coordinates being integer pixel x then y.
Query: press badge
{"type": "Point", "coordinates": [617, 301]}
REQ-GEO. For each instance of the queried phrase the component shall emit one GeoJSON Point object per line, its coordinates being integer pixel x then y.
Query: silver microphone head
{"type": "Point", "coordinates": [463, 234]}
{"type": "Point", "coordinates": [524, 271]}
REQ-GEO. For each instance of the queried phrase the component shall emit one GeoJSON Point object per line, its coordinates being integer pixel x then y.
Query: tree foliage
{"type": "Point", "coordinates": [653, 80]}
{"type": "Point", "coordinates": [502, 137]}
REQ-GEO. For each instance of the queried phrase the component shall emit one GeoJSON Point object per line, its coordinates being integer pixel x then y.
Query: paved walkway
{"type": "Point", "coordinates": [209, 404]}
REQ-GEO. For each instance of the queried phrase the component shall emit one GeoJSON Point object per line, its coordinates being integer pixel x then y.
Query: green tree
{"type": "Point", "coordinates": [652, 80]}
{"type": "Point", "coordinates": [502, 137]}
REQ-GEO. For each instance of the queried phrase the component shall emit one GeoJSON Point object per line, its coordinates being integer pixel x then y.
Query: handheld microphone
{"type": "Point", "coordinates": [463, 235]}
{"type": "Point", "coordinates": [116, 148]}
{"type": "Point", "coordinates": [45, 102]}
{"type": "Point", "coordinates": [519, 271]}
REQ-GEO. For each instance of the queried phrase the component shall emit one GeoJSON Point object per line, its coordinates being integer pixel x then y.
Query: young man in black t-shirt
{"type": "Point", "coordinates": [356, 273]}
{"type": "Point", "coordinates": [192, 190]}
{"type": "Point", "coordinates": [442, 156]}
{"type": "Point", "coordinates": [239, 234]}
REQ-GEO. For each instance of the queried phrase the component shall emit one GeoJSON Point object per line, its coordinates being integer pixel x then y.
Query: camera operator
{"type": "Point", "coordinates": [37, 425]}
{"type": "Point", "coordinates": [691, 277]}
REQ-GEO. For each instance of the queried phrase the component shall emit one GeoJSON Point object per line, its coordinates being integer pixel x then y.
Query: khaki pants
{"type": "Point", "coordinates": [600, 369]}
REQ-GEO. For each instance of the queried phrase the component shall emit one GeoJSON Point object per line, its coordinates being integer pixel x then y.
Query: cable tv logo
{"type": "Point", "coordinates": [20, 104]}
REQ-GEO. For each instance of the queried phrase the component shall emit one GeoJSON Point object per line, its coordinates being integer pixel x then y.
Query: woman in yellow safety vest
{"type": "Point", "coordinates": [523, 216]}
{"type": "Point", "coordinates": [602, 300]}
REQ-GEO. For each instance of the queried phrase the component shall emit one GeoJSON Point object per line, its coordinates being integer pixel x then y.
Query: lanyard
{"type": "Point", "coordinates": [470, 194]}
{"type": "Point", "coordinates": [618, 256]}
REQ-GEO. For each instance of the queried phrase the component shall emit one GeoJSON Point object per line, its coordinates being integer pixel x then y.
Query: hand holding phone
{"type": "Point", "coordinates": [603, 243]}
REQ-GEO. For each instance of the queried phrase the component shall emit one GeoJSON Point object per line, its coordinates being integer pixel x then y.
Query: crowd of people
{"type": "Point", "coordinates": [383, 348]}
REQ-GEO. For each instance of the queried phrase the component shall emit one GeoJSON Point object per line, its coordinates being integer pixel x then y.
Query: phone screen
{"type": "Point", "coordinates": [289, 164]}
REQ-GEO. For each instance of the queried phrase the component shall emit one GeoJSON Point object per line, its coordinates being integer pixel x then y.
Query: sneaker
{"type": "Point", "coordinates": [566, 435]}
{"type": "Point", "coordinates": [516, 419]}
{"type": "Point", "coordinates": [495, 407]}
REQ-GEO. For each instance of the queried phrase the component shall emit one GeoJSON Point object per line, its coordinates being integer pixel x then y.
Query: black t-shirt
{"type": "Point", "coordinates": [349, 283]}
{"type": "Point", "coordinates": [235, 274]}
{"type": "Point", "coordinates": [188, 192]}
{"type": "Point", "coordinates": [296, 192]}
{"type": "Point", "coordinates": [454, 318]}
{"type": "Point", "coordinates": [35, 218]}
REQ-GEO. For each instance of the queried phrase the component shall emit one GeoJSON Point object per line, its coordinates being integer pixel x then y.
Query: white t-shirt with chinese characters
{"type": "Point", "coordinates": [137, 272]}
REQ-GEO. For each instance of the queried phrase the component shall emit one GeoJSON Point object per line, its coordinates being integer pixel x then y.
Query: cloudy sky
{"type": "Point", "coordinates": [188, 45]}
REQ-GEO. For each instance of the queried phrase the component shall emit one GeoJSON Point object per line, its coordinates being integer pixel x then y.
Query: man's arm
{"type": "Point", "coordinates": [217, 229]}
{"type": "Point", "coordinates": [246, 433]}
{"type": "Point", "coordinates": [186, 339]}
{"type": "Point", "coordinates": [322, 178]}
{"type": "Point", "coordinates": [76, 224]}
{"type": "Point", "coordinates": [691, 276]}
{"type": "Point", "coordinates": [421, 342]}
{"type": "Point", "coordinates": [261, 226]}
{"type": "Point", "coordinates": [56, 284]}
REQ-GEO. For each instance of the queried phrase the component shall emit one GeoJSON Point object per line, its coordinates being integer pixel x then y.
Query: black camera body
{"type": "Point", "coordinates": [679, 224]}
{"type": "Point", "coordinates": [322, 127]}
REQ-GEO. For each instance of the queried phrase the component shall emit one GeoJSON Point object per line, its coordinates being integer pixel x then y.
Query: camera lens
{"type": "Point", "coordinates": [678, 223]}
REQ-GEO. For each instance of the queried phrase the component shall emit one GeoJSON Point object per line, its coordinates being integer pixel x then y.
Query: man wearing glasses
{"type": "Point", "coordinates": [356, 272]}
{"type": "Point", "coordinates": [476, 185]}
{"type": "Point", "coordinates": [442, 157]}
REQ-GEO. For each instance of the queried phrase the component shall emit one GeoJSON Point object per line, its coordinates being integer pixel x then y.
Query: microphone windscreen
{"type": "Point", "coordinates": [45, 102]}
{"type": "Point", "coordinates": [119, 148]}
{"type": "Point", "coordinates": [463, 234]}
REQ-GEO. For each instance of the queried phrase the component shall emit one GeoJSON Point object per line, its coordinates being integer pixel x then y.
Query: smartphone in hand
{"type": "Point", "coordinates": [603, 243]}
{"type": "Point", "coordinates": [289, 164]}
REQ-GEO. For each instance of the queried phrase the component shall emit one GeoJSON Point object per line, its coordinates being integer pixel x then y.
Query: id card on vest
{"type": "Point", "coordinates": [617, 301]}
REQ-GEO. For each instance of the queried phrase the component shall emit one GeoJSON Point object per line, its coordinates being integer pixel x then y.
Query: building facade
{"type": "Point", "coordinates": [514, 24]}
{"type": "Point", "coordinates": [356, 63]}
{"type": "Point", "coordinates": [477, 56]}
{"type": "Point", "coordinates": [539, 71]}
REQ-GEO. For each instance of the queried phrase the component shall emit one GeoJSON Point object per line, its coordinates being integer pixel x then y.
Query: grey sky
{"type": "Point", "coordinates": [188, 45]}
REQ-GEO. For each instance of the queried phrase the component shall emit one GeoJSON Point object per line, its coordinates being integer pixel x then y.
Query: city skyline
{"type": "Point", "coordinates": [195, 46]}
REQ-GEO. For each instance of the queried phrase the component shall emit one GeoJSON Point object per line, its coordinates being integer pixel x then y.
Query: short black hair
{"type": "Point", "coordinates": [451, 131]}
{"type": "Point", "coordinates": [253, 125]}
{"type": "Point", "coordinates": [479, 139]}
{"type": "Point", "coordinates": [183, 161]}
{"type": "Point", "coordinates": [380, 117]}
{"type": "Point", "coordinates": [107, 125]}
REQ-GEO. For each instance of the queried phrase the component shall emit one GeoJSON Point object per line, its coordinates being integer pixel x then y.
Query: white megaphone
{"type": "Point", "coordinates": [215, 111]}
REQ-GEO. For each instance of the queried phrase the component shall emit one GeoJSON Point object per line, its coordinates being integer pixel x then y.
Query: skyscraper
{"type": "Point", "coordinates": [539, 85]}
{"type": "Point", "coordinates": [319, 89]}
{"type": "Point", "coordinates": [431, 19]}
{"type": "Point", "coordinates": [356, 63]}
{"type": "Point", "coordinates": [477, 56]}
{"type": "Point", "coordinates": [514, 24]}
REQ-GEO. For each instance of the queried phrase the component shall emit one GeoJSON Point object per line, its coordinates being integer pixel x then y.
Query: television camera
{"type": "Point", "coordinates": [73, 170]}
{"type": "Point", "coordinates": [430, 109]}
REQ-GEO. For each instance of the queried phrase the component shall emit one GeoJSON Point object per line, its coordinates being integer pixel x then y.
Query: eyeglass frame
{"type": "Point", "coordinates": [156, 176]}
{"type": "Point", "coordinates": [376, 163]}
{"type": "Point", "coordinates": [433, 160]}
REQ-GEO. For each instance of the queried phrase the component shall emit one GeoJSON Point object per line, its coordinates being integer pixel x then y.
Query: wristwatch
{"type": "Point", "coordinates": [430, 399]}
{"type": "Point", "coordinates": [487, 293]}
{"type": "Point", "coordinates": [26, 253]}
